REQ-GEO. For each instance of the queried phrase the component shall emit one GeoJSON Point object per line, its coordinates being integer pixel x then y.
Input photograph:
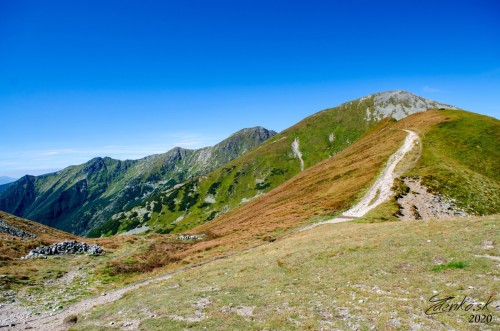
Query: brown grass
{"type": "Point", "coordinates": [161, 251]}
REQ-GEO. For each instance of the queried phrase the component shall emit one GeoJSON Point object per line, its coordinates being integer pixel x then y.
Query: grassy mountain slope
{"type": "Point", "coordinates": [80, 197]}
{"type": "Point", "coordinates": [319, 137]}
{"type": "Point", "coordinates": [461, 159]}
{"type": "Point", "coordinates": [347, 276]}
{"type": "Point", "coordinates": [335, 184]}
{"type": "Point", "coordinates": [342, 276]}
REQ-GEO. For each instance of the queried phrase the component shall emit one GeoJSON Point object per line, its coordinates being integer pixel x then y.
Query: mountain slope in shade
{"type": "Point", "coordinates": [314, 139]}
{"type": "Point", "coordinates": [5, 182]}
{"type": "Point", "coordinates": [78, 198]}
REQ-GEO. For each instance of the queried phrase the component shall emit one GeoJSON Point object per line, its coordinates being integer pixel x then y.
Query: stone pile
{"type": "Point", "coordinates": [189, 237]}
{"type": "Point", "coordinates": [65, 247]}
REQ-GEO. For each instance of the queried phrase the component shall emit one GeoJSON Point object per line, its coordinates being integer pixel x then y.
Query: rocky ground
{"type": "Point", "coordinates": [14, 231]}
{"type": "Point", "coordinates": [420, 204]}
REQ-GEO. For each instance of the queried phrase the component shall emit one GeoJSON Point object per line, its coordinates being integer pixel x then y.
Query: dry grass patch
{"type": "Point", "coordinates": [159, 252]}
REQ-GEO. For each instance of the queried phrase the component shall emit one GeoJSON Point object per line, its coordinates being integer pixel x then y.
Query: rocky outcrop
{"type": "Point", "coordinates": [418, 203]}
{"type": "Point", "coordinates": [399, 104]}
{"type": "Point", "coordinates": [14, 231]}
{"type": "Point", "coordinates": [65, 247]}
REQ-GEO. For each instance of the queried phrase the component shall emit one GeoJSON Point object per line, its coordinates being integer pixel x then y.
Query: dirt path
{"type": "Point", "coordinates": [381, 190]}
{"type": "Point", "coordinates": [15, 317]}
{"type": "Point", "coordinates": [19, 318]}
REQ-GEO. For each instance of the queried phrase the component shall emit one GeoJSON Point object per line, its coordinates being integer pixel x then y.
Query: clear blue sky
{"type": "Point", "coordinates": [125, 79]}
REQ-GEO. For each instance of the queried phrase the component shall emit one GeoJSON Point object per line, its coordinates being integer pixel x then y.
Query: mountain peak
{"type": "Point", "coordinates": [397, 104]}
{"type": "Point", "coordinates": [255, 131]}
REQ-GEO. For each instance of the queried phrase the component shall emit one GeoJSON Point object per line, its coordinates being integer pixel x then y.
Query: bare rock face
{"type": "Point", "coordinates": [65, 247]}
{"type": "Point", "coordinates": [418, 203]}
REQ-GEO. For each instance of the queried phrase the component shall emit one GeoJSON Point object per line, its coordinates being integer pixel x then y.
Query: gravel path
{"type": "Point", "coordinates": [14, 317]}
{"type": "Point", "coordinates": [419, 203]}
{"type": "Point", "coordinates": [381, 190]}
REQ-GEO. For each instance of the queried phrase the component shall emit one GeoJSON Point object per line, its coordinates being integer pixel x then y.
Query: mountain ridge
{"type": "Point", "coordinates": [104, 184]}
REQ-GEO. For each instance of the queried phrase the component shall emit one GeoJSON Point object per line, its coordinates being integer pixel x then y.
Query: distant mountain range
{"type": "Point", "coordinates": [78, 198]}
{"type": "Point", "coordinates": [182, 188]}
{"type": "Point", "coordinates": [6, 180]}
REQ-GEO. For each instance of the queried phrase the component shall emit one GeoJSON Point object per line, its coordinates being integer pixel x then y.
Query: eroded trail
{"type": "Point", "coordinates": [380, 191]}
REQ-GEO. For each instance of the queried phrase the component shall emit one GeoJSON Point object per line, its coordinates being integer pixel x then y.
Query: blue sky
{"type": "Point", "coordinates": [125, 79]}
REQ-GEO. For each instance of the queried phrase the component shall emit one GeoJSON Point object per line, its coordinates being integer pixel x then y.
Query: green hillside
{"type": "Point", "coordinates": [461, 158]}
{"type": "Point", "coordinates": [200, 200]}
{"type": "Point", "coordinates": [346, 276]}
{"type": "Point", "coordinates": [81, 197]}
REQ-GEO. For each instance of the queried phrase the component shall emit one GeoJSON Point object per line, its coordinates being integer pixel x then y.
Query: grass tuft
{"type": "Point", "coordinates": [451, 265]}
